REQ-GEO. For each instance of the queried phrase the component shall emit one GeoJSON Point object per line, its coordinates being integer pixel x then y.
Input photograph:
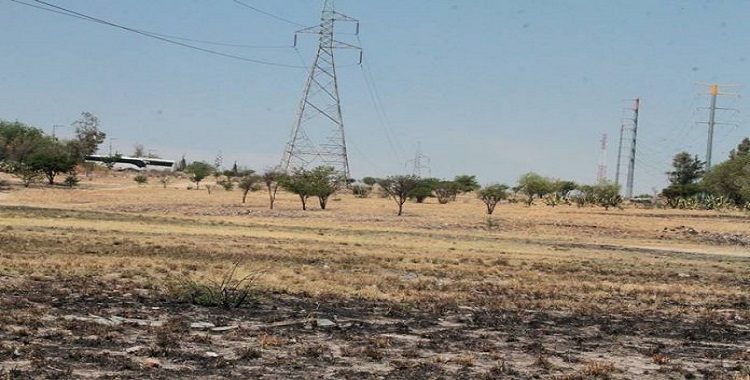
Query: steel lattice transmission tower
{"type": "Point", "coordinates": [601, 170]}
{"type": "Point", "coordinates": [317, 137]}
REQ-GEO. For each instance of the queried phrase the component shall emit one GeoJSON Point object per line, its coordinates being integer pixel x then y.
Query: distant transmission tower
{"type": "Point", "coordinates": [601, 170]}
{"type": "Point", "coordinates": [714, 92]}
{"type": "Point", "coordinates": [218, 161]}
{"type": "Point", "coordinates": [419, 163]}
{"type": "Point", "coordinates": [317, 137]}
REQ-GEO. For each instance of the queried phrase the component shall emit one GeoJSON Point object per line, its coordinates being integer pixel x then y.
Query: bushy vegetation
{"type": "Point", "coordinates": [726, 185]}
{"type": "Point", "coordinates": [31, 156]}
{"type": "Point", "coordinates": [320, 182]}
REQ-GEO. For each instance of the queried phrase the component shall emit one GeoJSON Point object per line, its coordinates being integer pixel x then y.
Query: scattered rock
{"type": "Point", "coordinates": [134, 349]}
{"type": "Point", "coordinates": [135, 321]}
{"type": "Point", "coordinates": [212, 354]}
{"type": "Point", "coordinates": [322, 322]}
{"type": "Point", "coordinates": [224, 328]}
{"type": "Point", "coordinates": [151, 363]}
{"type": "Point", "coordinates": [202, 325]}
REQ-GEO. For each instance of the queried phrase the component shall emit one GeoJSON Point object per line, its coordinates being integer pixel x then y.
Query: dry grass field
{"type": "Point", "coordinates": [93, 284]}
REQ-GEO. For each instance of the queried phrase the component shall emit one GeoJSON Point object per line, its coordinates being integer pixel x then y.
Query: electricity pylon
{"type": "Point", "coordinates": [419, 162]}
{"type": "Point", "coordinates": [317, 137]}
{"type": "Point", "coordinates": [601, 170]}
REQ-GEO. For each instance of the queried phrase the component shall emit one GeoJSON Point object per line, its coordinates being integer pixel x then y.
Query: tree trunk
{"type": "Point", "coordinates": [323, 201]}
{"type": "Point", "coordinates": [491, 207]}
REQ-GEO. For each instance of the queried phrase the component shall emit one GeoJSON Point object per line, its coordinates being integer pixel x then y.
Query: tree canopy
{"type": "Point", "coordinates": [199, 170]}
{"type": "Point", "coordinates": [731, 178]}
{"type": "Point", "coordinates": [399, 188]}
{"type": "Point", "coordinates": [492, 195]}
{"type": "Point", "coordinates": [534, 185]}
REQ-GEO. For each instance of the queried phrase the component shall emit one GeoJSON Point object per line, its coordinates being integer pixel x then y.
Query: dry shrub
{"type": "Point", "coordinates": [230, 292]}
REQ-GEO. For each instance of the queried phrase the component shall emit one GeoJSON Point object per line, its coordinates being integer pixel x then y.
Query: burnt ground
{"type": "Point", "coordinates": [86, 328]}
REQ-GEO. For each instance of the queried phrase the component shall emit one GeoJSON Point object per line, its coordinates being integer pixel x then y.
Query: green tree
{"type": "Point", "coordinates": [369, 181]}
{"type": "Point", "coordinates": [607, 194]}
{"type": "Point", "coordinates": [399, 188]}
{"type": "Point", "coordinates": [298, 183]}
{"type": "Point", "coordinates": [18, 141]}
{"type": "Point", "coordinates": [320, 182]}
{"type": "Point", "coordinates": [198, 171]}
{"type": "Point", "coordinates": [249, 181]}
{"type": "Point", "coordinates": [731, 179]}
{"type": "Point", "coordinates": [51, 158]}
{"type": "Point", "coordinates": [25, 173]}
{"type": "Point", "coordinates": [563, 188]}
{"type": "Point", "coordinates": [446, 191]}
{"type": "Point", "coordinates": [466, 183]}
{"type": "Point", "coordinates": [683, 180]}
{"type": "Point", "coordinates": [272, 179]}
{"type": "Point", "coordinates": [534, 185]}
{"type": "Point", "coordinates": [743, 149]}
{"type": "Point", "coordinates": [492, 195]}
{"type": "Point", "coordinates": [88, 136]}
{"type": "Point", "coordinates": [325, 182]}
{"type": "Point", "coordinates": [424, 189]}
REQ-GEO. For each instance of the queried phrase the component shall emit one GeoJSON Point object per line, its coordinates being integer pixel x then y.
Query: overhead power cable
{"type": "Point", "coordinates": [67, 12]}
{"type": "Point", "coordinates": [248, 6]}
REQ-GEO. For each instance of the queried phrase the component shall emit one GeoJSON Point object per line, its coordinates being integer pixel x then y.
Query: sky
{"type": "Point", "coordinates": [490, 88]}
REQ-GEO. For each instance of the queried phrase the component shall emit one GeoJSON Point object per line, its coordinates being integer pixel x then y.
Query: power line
{"type": "Point", "coordinates": [248, 6]}
{"type": "Point", "coordinates": [70, 13]}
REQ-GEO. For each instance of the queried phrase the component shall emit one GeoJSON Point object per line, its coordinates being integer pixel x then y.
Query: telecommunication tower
{"type": "Point", "coordinates": [317, 137]}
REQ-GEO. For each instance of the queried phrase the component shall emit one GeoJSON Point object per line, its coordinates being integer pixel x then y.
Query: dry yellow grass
{"type": "Point", "coordinates": [562, 258]}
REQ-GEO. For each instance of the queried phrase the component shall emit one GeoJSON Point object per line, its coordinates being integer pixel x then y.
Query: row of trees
{"type": "Point", "coordinates": [29, 154]}
{"type": "Point", "coordinates": [322, 182]}
{"type": "Point", "coordinates": [726, 184]}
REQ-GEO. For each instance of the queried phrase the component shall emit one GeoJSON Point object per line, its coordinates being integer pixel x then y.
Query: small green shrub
{"type": "Point", "coordinates": [72, 180]}
{"type": "Point", "coordinates": [361, 191]}
{"type": "Point", "coordinates": [227, 185]}
{"type": "Point", "coordinates": [140, 179]}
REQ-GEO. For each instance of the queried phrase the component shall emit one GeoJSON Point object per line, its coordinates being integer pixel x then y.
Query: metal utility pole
{"type": "Point", "coordinates": [54, 129]}
{"type": "Point", "coordinates": [619, 156]}
{"type": "Point", "coordinates": [110, 144]}
{"type": "Point", "coordinates": [601, 171]}
{"type": "Point", "coordinates": [631, 163]}
{"type": "Point", "coordinates": [714, 92]}
{"type": "Point", "coordinates": [317, 137]}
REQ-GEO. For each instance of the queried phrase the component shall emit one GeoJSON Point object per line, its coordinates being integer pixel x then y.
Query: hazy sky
{"type": "Point", "coordinates": [486, 87]}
